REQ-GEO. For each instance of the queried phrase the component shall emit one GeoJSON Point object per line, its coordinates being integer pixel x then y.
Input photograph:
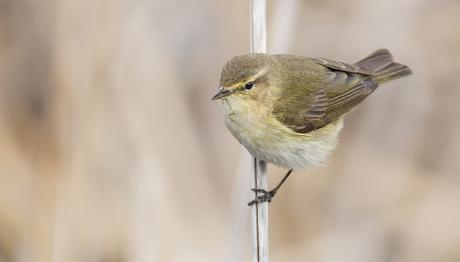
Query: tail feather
{"type": "Point", "coordinates": [392, 71]}
{"type": "Point", "coordinates": [383, 69]}
{"type": "Point", "coordinates": [376, 60]}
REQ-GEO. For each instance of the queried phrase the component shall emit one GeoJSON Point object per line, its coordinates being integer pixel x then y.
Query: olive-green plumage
{"type": "Point", "coordinates": [274, 103]}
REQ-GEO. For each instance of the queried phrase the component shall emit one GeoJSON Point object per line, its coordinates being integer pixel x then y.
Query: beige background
{"type": "Point", "coordinates": [111, 150]}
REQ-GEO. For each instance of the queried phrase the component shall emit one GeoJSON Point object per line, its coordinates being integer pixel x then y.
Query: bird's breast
{"type": "Point", "coordinates": [254, 126]}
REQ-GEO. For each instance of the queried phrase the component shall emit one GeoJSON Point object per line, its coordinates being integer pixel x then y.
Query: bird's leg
{"type": "Point", "coordinates": [268, 195]}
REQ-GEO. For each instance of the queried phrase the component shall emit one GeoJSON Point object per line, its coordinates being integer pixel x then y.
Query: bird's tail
{"type": "Point", "coordinates": [383, 69]}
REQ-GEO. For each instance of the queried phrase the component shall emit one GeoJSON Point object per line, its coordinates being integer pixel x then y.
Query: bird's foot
{"type": "Point", "coordinates": [265, 197]}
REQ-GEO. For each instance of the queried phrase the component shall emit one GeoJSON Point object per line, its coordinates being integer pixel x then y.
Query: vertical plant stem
{"type": "Point", "coordinates": [259, 212]}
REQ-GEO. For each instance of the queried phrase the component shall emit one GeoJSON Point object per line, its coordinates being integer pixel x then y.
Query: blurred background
{"type": "Point", "coordinates": [111, 150]}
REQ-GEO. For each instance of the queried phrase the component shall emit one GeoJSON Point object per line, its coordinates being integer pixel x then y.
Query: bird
{"type": "Point", "coordinates": [288, 109]}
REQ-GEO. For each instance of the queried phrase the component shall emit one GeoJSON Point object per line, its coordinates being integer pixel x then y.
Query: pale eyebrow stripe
{"type": "Point", "coordinates": [263, 72]}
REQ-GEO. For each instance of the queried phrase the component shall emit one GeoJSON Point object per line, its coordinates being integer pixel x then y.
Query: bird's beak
{"type": "Point", "coordinates": [222, 93]}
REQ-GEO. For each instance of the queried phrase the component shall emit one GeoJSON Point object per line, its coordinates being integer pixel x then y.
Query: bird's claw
{"type": "Point", "coordinates": [265, 197]}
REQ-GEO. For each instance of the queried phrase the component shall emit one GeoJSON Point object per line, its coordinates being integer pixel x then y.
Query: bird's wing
{"type": "Point", "coordinates": [342, 87]}
{"type": "Point", "coordinates": [342, 66]}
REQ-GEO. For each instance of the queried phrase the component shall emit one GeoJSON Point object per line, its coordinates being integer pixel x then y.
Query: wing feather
{"type": "Point", "coordinates": [343, 87]}
{"type": "Point", "coordinates": [324, 89]}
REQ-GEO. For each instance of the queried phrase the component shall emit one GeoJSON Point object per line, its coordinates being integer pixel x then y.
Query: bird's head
{"type": "Point", "coordinates": [245, 78]}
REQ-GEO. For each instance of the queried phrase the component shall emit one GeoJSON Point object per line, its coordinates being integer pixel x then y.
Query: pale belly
{"type": "Point", "coordinates": [268, 140]}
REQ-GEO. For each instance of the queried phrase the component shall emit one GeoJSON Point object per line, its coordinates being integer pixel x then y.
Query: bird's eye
{"type": "Point", "coordinates": [249, 86]}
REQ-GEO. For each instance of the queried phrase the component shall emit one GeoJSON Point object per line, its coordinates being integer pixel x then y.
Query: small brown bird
{"type": "Point", "coordinates": [287, 110]}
